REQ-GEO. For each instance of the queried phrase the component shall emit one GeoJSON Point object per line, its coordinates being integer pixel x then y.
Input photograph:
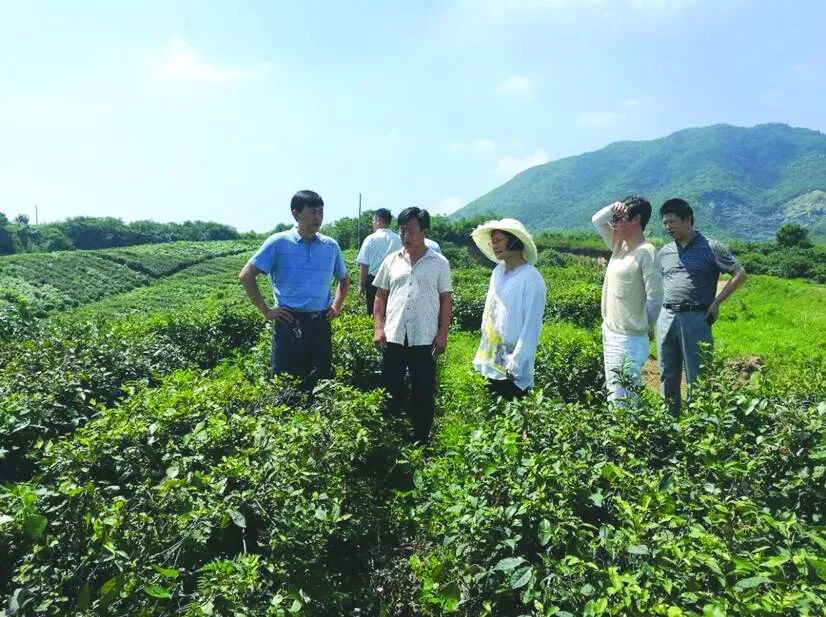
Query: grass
{"type": "Point", "coordinates": [782, 321]}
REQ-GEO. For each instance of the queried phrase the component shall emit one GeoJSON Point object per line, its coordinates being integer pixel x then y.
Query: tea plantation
{"type": "Point", "coordinates": [150, 467]}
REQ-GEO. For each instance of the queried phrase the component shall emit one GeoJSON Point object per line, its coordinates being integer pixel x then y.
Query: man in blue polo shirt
{"type": "Point", "coordinates": [691, 267]}
{"type": "Point", "coordinates": [301, 264]}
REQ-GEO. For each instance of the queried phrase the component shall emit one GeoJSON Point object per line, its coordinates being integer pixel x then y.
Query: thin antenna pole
{"type": "Point", "coordinates": [358, 225]}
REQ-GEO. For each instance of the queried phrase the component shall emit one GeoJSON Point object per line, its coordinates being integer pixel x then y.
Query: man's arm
{"type": "Point", "coordinates": [379, 318]}
{"type": "Point", "coordinates": [735, 282]}
{"type": "Point", "coordinates": [601, 219]}
{"type": "Point", "coordinates": [342, 287]}
{"type": "Point", "coordinates": [248, 276]}
{"type": "Point", "coordinates": [445, 315]}
{"type": "Point", "coordinates": [363, 271]}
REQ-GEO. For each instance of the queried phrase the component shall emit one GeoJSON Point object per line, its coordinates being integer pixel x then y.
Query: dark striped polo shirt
{"type": "Point", "coordinates": [690, 273]}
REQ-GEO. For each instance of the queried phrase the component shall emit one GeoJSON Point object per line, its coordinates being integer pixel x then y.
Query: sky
{"type": "Point", "coordinates": [220, 111]}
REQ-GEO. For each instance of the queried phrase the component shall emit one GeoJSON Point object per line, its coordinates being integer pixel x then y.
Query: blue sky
{"type": "Point", "coordinates": [221, 111]}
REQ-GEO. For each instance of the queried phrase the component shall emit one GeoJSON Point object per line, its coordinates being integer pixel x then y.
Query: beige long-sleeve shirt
{"type": "Point", "coordinates": [633, 283]}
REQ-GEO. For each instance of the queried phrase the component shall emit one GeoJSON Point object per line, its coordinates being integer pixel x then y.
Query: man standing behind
{"type": "Point", "coordinates": [412, 314]}
{"type": "Point", "coordinates": [374, 249]}
{"type": "Point", "coordinates": [691, 266]}
{"type": "Point", "coordinates": [301, 264]}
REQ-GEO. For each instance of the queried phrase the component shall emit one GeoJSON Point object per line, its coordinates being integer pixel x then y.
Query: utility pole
{"type": "Point", "coordinates": [358, 226]}
{"type": "Point", "coordinates": [35, 214]}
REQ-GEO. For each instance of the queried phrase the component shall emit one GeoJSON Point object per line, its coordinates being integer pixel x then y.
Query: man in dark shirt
{"type": "Point", "coordinates": [691, 267]}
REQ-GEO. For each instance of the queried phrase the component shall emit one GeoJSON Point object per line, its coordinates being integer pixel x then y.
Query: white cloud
{"type": "Point", "coordinates": [515, 86]}
{"type": "Point", "coordinates": [599, 118]}
{"type": "Point", "coordinates": [181, 62]}
{"type": "Point", "coordinates": [484, 146]}
{"type": "Point", "coordinates": [481, 145]}
{"type": "Point", "coordinates": [447, 205]}
{"type": "Point", "coordinates": [509, 166]}
{"type": "Point", "coordinates": [630, 103]}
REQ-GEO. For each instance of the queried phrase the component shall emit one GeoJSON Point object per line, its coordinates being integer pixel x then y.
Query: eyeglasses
{"type": "Point", "coordinates": [616, 219]}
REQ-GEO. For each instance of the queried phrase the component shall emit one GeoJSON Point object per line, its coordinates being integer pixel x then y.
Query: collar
{"type": "Point", "coordinates": [690, 242]}
{"type": "Point", "coordinates": [298, 237]}
{"type": "Point", "coordinates": [428, 253]}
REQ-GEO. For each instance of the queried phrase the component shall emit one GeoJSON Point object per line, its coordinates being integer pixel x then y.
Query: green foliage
{"type": "Point", "coordinates": [548, 508]}
{"type": "Point", "coordinates": [782, 322]}
{"type": "Point", "coordinates": [792, 234]}
{"type": "Point", "coordinates": [355, 358]}
{"type": "Point", "coordinates": [785, 261]}
{"type": "Point", "coordinates": [88, 233]}
{"type": "Point", "coordinates": [205, 496]}
{"type": "Point", "coordinates": [741, 182]}
{"type": "Point", "coordinates": [134, 487]}
{"type": "Point", "coordinates": [45, 283]}
{"type": "Point", "coordinates": [67, 374]}
{"type": "Point", "coordinates": [569, 364]}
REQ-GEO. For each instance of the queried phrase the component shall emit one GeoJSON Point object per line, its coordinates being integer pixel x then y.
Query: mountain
{"type": "Point", "coordinates": [742, 182]}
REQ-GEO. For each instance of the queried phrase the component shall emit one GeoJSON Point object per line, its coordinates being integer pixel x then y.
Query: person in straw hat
{"type": "Point", "coordinates": [632, 292]}
{"type": "Point", "coordinates": [512, 319]}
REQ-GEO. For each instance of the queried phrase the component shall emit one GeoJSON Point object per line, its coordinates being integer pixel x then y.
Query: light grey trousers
{"type": "Point", "coordinates": [679, 340]}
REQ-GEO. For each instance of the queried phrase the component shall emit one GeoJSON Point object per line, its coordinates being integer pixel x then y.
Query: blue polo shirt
{"type": "Point", "coordinates": [300, 272]}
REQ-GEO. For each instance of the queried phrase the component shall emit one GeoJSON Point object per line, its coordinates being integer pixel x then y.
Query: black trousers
{"type": "Point", "coordinates": [419, 360]}
{"type": "Point", "coordinates": [303, 348]}
{"type": "Point", "coordinates": [506, 389]}
{"type": "Point", "coordinates": [370, 293]}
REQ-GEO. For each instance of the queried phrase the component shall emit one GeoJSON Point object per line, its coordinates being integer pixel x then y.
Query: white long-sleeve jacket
{"type": "Point", "coordinates": [511, 324]}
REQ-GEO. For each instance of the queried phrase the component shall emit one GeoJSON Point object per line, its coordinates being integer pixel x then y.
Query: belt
{"type": "Point", "coordinates": [310, 314]}
{"type": "Point", "coordinates": [686, 307]}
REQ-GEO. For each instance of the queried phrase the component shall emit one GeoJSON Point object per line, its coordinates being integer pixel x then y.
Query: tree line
{"type": "Point", "coordinates": [18, 235]}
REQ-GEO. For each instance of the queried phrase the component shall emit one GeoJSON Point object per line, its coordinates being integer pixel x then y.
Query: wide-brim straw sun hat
{"type": "Point", "coordinates": [481, 236]}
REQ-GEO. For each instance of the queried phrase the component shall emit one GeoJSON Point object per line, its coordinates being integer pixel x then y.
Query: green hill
{"type": "Point", "coordinates": [741, 182]}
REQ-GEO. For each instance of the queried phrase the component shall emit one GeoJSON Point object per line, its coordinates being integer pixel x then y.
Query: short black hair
{"type": "Point", "coordinates": [422, 216]}
{"type": "Point", "coordinates": [678, 207]}
{"type": "Point", "coordinates": [383, 214]}
{"type": "Point", "coordinates": [634, 205]}
{"type": "Point", "coordinates": [513, 243]}
{"type": "Point", "coordinates": [306, 199]}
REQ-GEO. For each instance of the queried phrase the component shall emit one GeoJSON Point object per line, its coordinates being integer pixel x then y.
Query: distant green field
{"type": "Point", "coordinates": [43, 283]}
{"type": "Point", "coordinates": [783, 321]}
{"type": "Point", "coordinates": [215, 279]}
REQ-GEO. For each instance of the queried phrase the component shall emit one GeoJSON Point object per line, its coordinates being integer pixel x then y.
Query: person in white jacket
{"type": "Point", "coordinates": [632, 292]}
{"type": "Point", "coordinates": [515, 303]}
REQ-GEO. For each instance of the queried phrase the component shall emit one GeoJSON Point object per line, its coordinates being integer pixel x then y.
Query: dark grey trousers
{"type": "Point", "coordinates": [303, 348]}
{"type": "Point", "coordinates": [679, 345]}
{"type": "Point", "coordinates": [371, 294]}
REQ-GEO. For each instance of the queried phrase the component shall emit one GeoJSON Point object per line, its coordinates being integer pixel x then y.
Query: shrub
{"type": "Point", "coordinates": [559, 509]}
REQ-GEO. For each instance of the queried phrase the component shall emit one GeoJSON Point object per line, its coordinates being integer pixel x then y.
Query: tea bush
{"type": "Point", "coordinates": [561, 509]}
{"type": "Point", "coordinates": [207, 495]}
{"type": "Point", "coordinates": [67, 374]}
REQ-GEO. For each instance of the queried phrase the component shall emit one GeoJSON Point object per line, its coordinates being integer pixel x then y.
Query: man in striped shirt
{"type": "Point", "coordinates": [691, 267]}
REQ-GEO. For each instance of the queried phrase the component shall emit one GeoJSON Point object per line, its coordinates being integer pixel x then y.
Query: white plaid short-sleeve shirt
{"type": "Point", "coordinates": [413, 296]}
